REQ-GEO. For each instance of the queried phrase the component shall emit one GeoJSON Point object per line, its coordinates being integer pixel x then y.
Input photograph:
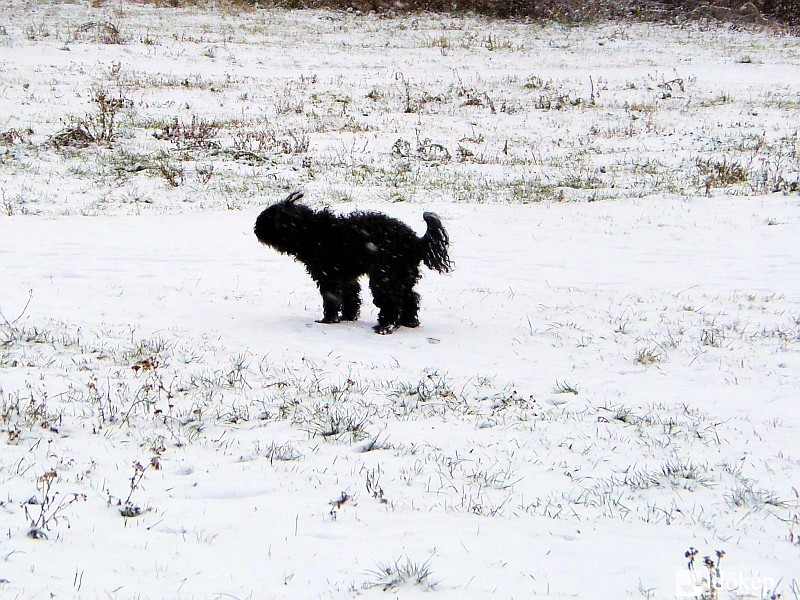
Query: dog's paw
{"type": "Point", "coordinates": [414, 322]}
{"type": "Point", "coordinates": [384, 329]}
{"type": "Point", "coordinates": [328, 320]}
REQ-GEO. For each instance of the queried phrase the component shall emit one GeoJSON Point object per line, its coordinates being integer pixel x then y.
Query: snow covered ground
{"type": "Point", "coordinates": [608, 379]}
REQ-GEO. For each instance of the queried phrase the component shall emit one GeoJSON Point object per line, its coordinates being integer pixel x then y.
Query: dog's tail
{"type": "Point", "coordinates": [434, 245]}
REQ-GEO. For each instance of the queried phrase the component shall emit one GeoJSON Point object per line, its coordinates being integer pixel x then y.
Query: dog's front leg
{"type": "Point", "coordinates": [331, 301]}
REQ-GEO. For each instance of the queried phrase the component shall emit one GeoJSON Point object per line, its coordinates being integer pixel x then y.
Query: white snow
{"type": "Point", "coordinates": [597, 388]}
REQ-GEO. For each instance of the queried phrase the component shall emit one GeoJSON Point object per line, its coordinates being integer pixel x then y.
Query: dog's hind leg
{"type": "Point", "coordinates": [410, 311]}
{"type": "Point", "coordinates": [386, 298]}
{"type": "Point", "coordinates": [409, 298]}
{"type": "Point", "coordinates": [351, 300]}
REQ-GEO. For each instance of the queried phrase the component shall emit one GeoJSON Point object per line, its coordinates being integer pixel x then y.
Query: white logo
{"type": "Point", "coordinates": [692, 584]}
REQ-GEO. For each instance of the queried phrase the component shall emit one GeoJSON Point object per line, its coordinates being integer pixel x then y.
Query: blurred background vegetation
{"type": "Point", "coordinates": [734, 11]}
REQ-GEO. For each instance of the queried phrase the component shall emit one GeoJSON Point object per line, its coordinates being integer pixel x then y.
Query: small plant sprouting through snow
{"type": "Point", "coordinates": [402, 572]}
{"type": "Point", "coordinates": [373, 484]}
{"type": "Point", "coordinates": [336, 421]}
{"type": "Point", "coordinates": [711, 582]}
{"type": "Point", "coordinates": [280, 452]}
{"type": "Point", "coordinates": [794, 521]}
{"type": "Point", "coordinates": [745, 494]}
{"type": "Point", "coordinates": [649, 356]}
{"type": "Point", "coordinates": [128, 508]}
{"type": "Point", "coordinates": [562, 387]}
{"type": "Point", "coordinates": [237, 375]}
{"type": "Point", "coordinates": [45, 510]}
{"type": "Point", "coordinates": [100, 127]}
{"type": "Point", "coordinates": [336, 505]}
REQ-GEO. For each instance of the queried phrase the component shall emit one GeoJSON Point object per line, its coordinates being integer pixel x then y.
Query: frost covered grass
{"type": "Point", "coordinates": [600, 396]}
{"type": "Point", "coordinates": [106, 431]}
{"type": "Point", "coordinates": [129, 109]}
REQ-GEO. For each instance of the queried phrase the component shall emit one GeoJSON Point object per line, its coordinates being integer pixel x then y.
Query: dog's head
{"type": "Point", "coordinates": [283, 224]}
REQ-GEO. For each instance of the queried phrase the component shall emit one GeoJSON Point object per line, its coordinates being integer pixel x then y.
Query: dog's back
{"type": "Point", "coordinates": [375, 234]}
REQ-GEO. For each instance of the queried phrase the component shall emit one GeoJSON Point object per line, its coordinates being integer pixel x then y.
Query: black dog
{"type": "Point", "coordinates": [337, 250]}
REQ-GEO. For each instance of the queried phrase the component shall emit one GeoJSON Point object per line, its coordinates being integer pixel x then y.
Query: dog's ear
{"type": "Point", "coordinates": [294, 197]}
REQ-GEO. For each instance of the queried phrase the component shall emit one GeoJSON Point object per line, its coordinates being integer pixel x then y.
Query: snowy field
{"type": "Point", "coordinates": [604, 392]}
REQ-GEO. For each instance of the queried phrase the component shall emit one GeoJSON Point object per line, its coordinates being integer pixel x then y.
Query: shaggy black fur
{"type": "Point", "coordinates": [337, 250]}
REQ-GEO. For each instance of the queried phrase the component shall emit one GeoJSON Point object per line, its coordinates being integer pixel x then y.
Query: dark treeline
{"type": "Point", "coordinates": [759, 11]}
